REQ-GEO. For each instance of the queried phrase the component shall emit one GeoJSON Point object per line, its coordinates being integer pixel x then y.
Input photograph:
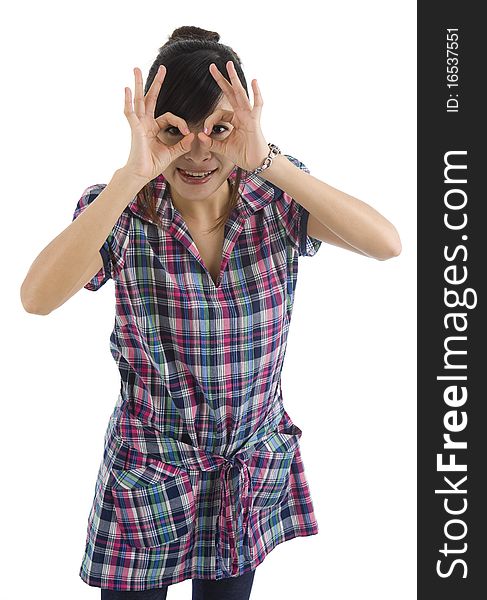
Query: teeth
{"type": "Point", "coordinates": [196, 174]}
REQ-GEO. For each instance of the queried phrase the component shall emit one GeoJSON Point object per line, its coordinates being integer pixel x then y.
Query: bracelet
{"type": "Point", "coordinates": [273, 152]}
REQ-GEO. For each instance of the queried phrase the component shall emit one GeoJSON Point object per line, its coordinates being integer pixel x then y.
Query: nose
{"type": "Point", "coordinates": [198, 152]}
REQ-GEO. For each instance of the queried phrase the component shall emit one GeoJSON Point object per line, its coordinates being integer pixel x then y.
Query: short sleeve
{"type": "Point", "coordinates": [294, 218]}
{"type": "Point", "coordinates": [113, 249]}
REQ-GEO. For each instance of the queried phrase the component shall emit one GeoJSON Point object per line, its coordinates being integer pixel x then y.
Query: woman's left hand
{"type": "Point", "coordinates": [245, 146]}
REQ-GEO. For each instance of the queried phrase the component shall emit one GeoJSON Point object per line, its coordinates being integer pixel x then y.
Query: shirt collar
{"type": "Point", "coordinates": [254, 194]}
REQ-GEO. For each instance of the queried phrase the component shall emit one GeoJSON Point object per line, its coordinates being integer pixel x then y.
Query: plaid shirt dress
{"type": "Point", "coordinates": [201, 475]}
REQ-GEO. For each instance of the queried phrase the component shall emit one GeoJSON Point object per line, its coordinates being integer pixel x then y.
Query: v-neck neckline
{"type": "Point", "coordinates": [232, 229]}
{"type": "Point", "coordinates": [216, 237]}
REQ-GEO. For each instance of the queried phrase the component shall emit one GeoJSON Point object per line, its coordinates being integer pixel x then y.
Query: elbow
{"type": "Point", "coordinates": [394, 251]}
{"type": "Point", "coordinates": [29, 303]}
{"type": "Point", "coordinates": [391, 249]}
{"type": "Point", "coordinates": [395, 246]}
{"type": "Point", "coordinates": [26, 300]}
{"type": "Point", "coordinates": [32, 309]}
{"type": "Point", "coordinates": [29, 306]}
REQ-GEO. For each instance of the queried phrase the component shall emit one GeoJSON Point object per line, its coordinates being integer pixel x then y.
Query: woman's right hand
{"type": "Point", "coordinates": [149, 156]}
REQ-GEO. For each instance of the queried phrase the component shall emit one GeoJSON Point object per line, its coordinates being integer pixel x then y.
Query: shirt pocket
{"type": "Point", "coordinates": [270, 478]}
{"type": "Point", "coordinates": [152, 508]}
{"type": "Point", "coordinates": [270, 468]}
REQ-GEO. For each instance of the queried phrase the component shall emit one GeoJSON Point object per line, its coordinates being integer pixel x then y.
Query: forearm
{"type": "Point", "coordinates": [348, 217]}
{"type": "Point", "coordinates": [59, 266]}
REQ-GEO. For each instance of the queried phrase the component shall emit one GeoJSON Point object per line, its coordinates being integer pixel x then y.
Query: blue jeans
{"type": "Point", "coordinates": [230, 588]}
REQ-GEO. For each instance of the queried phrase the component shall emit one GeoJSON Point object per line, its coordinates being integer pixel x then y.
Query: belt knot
{"type": "Point", "coordinates": [235, 506]}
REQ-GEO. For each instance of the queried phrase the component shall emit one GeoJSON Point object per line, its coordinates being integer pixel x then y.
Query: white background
{"type": "Point", "coordinates": [338, 81]}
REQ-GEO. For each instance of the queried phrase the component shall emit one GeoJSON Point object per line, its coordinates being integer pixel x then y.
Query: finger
{"type": "Point", "coordinates": [128, 109]}
{"type": "Point", "coordinates": [224, 85]}
{"type": "Point", "coordinates": [170, 118]}
{"type": "Point", "coordinates": [219, 115]}
{"type": "Point", "coordinates": [153, 92]}
{"type": "Point", "coordinates": [181, 147]}
{"type": "Point", "coordinates": [139, 93]}
{"type": "Point", "coordinates": [237, 86]}
{"type": "Point", "coordinates": [258, 101]}
{"type": "Point", "coordinates": [211, 144]}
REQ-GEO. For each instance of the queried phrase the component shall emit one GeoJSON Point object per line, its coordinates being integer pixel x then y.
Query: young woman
{"type": "Point", "coordinates": [201, 231]}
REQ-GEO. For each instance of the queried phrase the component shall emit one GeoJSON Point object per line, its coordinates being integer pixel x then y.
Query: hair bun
{"type": "Point", "coordinates": [189, 32]}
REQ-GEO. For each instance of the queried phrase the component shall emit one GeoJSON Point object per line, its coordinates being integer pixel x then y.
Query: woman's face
{"type": "Point", "coordinates": [198, 159]}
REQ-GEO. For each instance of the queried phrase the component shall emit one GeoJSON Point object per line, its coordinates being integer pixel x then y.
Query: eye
{"type": "Point", "coordinates": [168, 130]}
{"type": "Point", "coordinates": [220, 127]}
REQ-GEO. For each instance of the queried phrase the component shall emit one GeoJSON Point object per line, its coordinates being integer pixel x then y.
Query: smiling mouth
{"type": "Point", "coordinates": [195, 179]}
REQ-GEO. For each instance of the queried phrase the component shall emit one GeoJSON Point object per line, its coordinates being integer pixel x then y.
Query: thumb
{"type": "Point", "coordinates": [183, 145]}
{"type": "Point", "coordinates": [211, 144]}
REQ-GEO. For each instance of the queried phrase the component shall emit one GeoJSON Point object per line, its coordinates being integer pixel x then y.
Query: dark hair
{"type": "Point", "coordinates": [190, 91]}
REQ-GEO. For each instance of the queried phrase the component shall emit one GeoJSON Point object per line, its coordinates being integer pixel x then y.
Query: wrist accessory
{"type": "Point", "coordinates": [273, 152]}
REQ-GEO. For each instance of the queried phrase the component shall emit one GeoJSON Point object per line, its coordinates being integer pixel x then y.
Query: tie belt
{"type": "Point", "coordinates": [235, 477]}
